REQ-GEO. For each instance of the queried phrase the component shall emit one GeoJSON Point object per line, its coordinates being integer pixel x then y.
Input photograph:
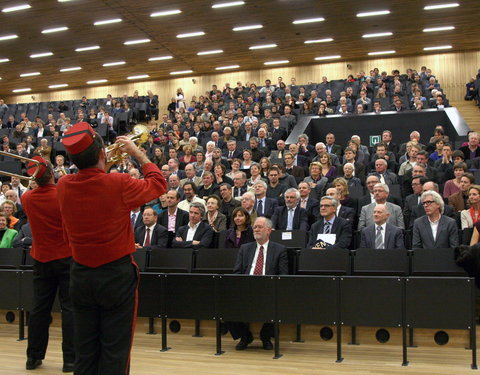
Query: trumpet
{"type": "Point", "coordinates": [24, 159]}
{"type": "Point", "coordinates": [138, 135]}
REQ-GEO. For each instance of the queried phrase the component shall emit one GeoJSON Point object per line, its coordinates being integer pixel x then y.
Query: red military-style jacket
{"type": "Point", "coordinates": [43, 212]}
{"type": "Point", "coordinates": [96, 207]}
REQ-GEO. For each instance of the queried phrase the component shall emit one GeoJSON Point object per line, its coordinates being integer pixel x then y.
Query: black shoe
{"type": "Point", "coordinates": [267, 344]}
{"type": "Point", "coordinates": [244, 341]}
{"type": "Point", "coordinates": [68, 367]}
{"type": "Point", "coordinates": [33, 363]}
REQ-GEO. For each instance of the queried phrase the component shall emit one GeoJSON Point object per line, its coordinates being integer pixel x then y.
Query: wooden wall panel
{"type": "Point", "coordinates": [452, 69]}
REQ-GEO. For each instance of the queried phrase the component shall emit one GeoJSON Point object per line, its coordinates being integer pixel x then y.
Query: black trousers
{"type": "Point", "coordinates": [48, 278]}
{"type": "Point", "coordinates": [104, 304]}
{"type": "Point", "coordinates": [240, 330]}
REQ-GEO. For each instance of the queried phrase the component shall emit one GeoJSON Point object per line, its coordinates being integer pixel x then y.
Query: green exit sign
{"type": "Point", "coordinates": [374, 139]}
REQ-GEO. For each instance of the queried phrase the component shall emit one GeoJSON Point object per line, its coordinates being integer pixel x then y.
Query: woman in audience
{"type": "Point", "coordinates": [7, 235]}
{"type": "Point", "coordinates": [92, 119]}
{"type": "Point", "coordinates": [471, 216]}
{"type": "Point", "coordinates": [359, 154]}
{"type": "Point", "coordinates": [342, 187]}
{"type": "Point", "coordinates": [200, 156]}
{"type": "Point", "coordinates": [117, 108]}
{"type": "Point", "coordinates": [453, 186]}
{"type": "Point", "coordinates": [210, 148]}
{"type": "Point", "coordinates": [188, 157]}
{"type": "Point", "coordinates": [255, 174]}
{"type": "Point", "coordinates": [180, 99]}
{"type": "Point", "coordinates": [219, 173]}
{"type": "Point", "coordinates": [306, 110]}
{"type": "Point", "coordinates": [159, 157]}
{"type": "Point", "coordinates": [316, 181]}
{"type": "Point", "coordinates": [5, 187]}
{"type": "Point", "coordinates": [328, 170]}
{"type": "Point", "coordinates": [247, 159]}
{"type": "Point", "coordinates": [241, 231]}
{"type": "Point", "coordinates": [352, 181]}
{"type": "Point", "coordinates": [437, 154]}
{"type": "Point", "coordinates": [236, 165]}
{"type": "Point", "coordinates": [9, 209]}
{"type": "Point", "coordinates": [264, 167]}
{"type": "Point", "coordinates": [322, 110]}
{"type": "Point", "coordinates": [214, 218]}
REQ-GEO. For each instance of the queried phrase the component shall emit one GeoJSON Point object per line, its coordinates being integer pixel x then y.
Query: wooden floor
{"type": "Point", "coordinates": [195, 356]}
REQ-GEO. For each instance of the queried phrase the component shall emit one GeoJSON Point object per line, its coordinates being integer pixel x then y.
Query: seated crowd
{"type": "Point", "coordinates": [227, 162]}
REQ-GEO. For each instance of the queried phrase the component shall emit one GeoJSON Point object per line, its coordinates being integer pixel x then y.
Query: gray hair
{"type": "Point", "coordinates": [268, 222]}
{"type": "Point", "coordinates": [383, 186]}
{"type": "Point", "coordinates": [194, 139]}
{"type": "Point", "coordinates": [350, 165]}
{"type": "Point", "coordinates": [292, 190]}
{"type": "Point", "coordinates": [436, 198]}
{"type": "Point", "coordinates": [210, 143]}
{"type": "Point", "coordinates": [303, 136]}
{"type": "Point", "coordinates": [249, 195]}
{"type": "Point", "coordinates": [333, 200]}
{"type": "Point", "coordinates": [198, 205]}
{"type": "Point", "coordinates": [261, 182]}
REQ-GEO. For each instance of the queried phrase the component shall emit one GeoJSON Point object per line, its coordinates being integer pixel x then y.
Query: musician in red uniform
{"type": "Point", "coordinates": [51, 269]}
{"type": "Point", "coordinates": [96, 207]}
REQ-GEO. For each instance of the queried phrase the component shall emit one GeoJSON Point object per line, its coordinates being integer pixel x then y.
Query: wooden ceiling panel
{"type": "Point", "coordinates": [406, 21]}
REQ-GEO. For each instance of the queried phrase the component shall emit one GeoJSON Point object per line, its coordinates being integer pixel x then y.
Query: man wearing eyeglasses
{"type": "Point", "coordinates": [434, 230]}
{"type": "Point", "coordinates": [330, 223]}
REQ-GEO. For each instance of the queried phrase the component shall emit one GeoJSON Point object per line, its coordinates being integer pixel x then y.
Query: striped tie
{"type": "Point", "coordinates": [378, 239]}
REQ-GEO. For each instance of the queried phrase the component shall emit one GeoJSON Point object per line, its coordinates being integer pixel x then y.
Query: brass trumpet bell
{"type": "Point", "coordinates": [139, 135]}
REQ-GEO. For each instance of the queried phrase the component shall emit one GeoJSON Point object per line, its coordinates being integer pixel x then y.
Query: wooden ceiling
{"type": "Point", "coordinates": [406, 21]}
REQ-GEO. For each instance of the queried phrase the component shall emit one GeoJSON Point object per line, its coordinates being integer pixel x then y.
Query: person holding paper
{"type": "Point", "coordinates": [330, 230]}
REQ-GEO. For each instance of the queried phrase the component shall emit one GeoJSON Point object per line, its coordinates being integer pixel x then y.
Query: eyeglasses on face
{"type": "Point", "coordinates": [427, 203]}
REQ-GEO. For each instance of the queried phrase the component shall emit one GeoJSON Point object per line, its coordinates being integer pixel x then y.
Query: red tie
{"type": "Point", "coordinates": [259, 265]}
{"type": "Point", "coordinates": [147, 240]}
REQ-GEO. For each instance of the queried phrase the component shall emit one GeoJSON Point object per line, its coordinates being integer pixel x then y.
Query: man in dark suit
{"type": "Point", "coordinates": [150, 235]}
{"type": "Point", "coordinates": [264, 206]}
{"type": "Point", "coordinates": [208, 186]}
{"type": "Point", "coordinates": [291, 169]}
{"type": "Point", "coordinates": [385, 176]}
{"type": "Point", "coordinates": [239, 185]}
{"type": "Point", "coordinates": [472, 150]}
{"type": "Point", "coordinates": [413, 200]}
{"type": "Point", "coordinates": [419, 210]}
{"type": "Point", "coordinates": [381, 235]}
{"type": "Point", "coordinates": [332, 148]}
{"type": "Point", "coordinates": [196, 234]}
{"type": "Point", "coordinates": [173, 217]}
{"type": "Point", "coordinates": [330, 223]}
{"type": "Point", "coordinates": [387, 139]}
{"type": "Point", "coordinates": [232, 152]}
{"type": "Point", "coordinates": [136, 218]}
{"type": "Point", "coordinates": [290, 216]}
{"type": "Point", "coordinates": [308, 202]}
{"type": "Point", "coordinates": [372, 180]}
{"type": "Point", "coordinates": [434, 230]}
{"type": "Point", "coordinates": [252, 260]}
{"type": "Point", "coordinates": [228, 203]}
{"type": "Point", "coordinates": [298, 160]}
{"type": "Point", "coordinates": [344, 212]}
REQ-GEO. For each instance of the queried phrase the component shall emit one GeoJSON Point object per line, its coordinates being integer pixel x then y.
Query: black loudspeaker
{"type": "Point", "coordinates": [175, 326]}
{"type": "Point", "coordinates": [441, 338]}
{"type": "Point", "coordinates": [10, 316]}
{"type": "Point", "coordinates": [382, 335]}
{"type": "Point", "coordinates": [326, 333]}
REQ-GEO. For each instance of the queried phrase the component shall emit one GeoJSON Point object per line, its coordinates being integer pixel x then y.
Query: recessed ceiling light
{"type": "Point", "coordinates": [107, 22]}
{"type": "Point", "coordinates": [441, 6]}
{"type": "Point", "coordinates": [308, 20]}
{"type": "Point", "coordinates": [114, 63]}
{"type": "Point", "coordinates": [327, 57]}
{"type": "Point", "coordinates": [16, 7]}
{"type": "Point", "coordinates": [136, 41]}
{"type": "Point", "coordinates": [97, 81]}
{"type": "Point", "coordinates": [249, 27]}
{"type": "Point", "coordinates": [181, 72]}
{"type": "Point", "coordinates": [227, 67]}
{"type": "Point", "coordinates": [58, 86]}
{"type": "Point", "coordinates": [373, 13]}
{"type": "Point", "coordinates": [377, 35]}
{"type": "Point", "coordinates": [228, 4]}
{"type": "Point", "coordinates": [140, 76]}
{"type": "Point", "coordinates": [441, 28]}
{"type": "Point", "coordinates": [22, 90]}
{"type": "Point", "coordinates": [54, 30]}
{"type": "Point", "coordinates": [189, 35]}
{"type": "Point", "coordinates": [276, 62]}
{"type": "Point", "coordinates": [381, 53]}
{"type": "Point", "coordinates": [166, 13]}
{"type": "Point", "coordinates": [7, 37]}
{"type": "Point", "coordinates": [260, 46]}
{"type": "Point", "coordinates": [324, 40]}
{"type": "Point", "coordinates": [212, 52]}
{"type": "Point", "coordinates": [89, 48]}
{"type": "Point", "coordinates": [437, 47]}
{"type": "Point", "coordinates": [42, 54]}
{"type": "Point", "coordinates": [73, 68]}
{"type": "Point", "coordinates": [159, 58]}
{"type": "Point", "coordinates": [30, 74]}
{"type": "Point", "coordinates": [4, 60]}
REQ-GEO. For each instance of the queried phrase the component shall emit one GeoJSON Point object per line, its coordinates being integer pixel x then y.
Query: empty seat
{"type": "Point", "coordinates": [171, 260]}
{"type": "Point", "coordinates": [215, 260]}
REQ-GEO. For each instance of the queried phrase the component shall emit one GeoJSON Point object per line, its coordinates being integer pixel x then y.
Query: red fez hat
{"type": "Point", "coordinates": [32, 167]}
{"type": "Point", "coordinates": [78, 138]}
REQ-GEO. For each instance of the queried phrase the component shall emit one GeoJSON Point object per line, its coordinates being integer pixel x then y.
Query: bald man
{"type": "Point", "coordinates": [380, 234]}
